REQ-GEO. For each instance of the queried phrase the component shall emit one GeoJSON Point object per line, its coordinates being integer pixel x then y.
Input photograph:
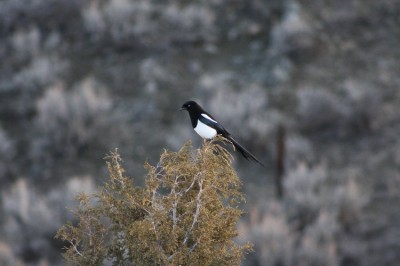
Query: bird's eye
{"type": "Point", "coordinates": [188, 105]}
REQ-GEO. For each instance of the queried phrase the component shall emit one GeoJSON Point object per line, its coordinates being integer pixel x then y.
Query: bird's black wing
{"type": "Point", "coordinates": [222, 131]}
{"type": "Point", "coordinates": [214, 124]}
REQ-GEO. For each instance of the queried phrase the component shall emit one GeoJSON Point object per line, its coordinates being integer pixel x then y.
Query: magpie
{"type": "Point", "coordinates": [207, 127]}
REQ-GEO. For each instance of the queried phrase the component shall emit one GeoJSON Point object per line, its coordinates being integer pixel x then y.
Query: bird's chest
{"type": "Point", "coordinates": [205, 131]}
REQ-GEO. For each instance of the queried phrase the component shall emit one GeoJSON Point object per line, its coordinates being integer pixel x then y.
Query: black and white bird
{"type": "Point", "coordinates": [207, 127]}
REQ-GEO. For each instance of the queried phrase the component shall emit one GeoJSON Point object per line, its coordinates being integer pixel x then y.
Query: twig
{"type": "Point", "coordinates": [75, 248]}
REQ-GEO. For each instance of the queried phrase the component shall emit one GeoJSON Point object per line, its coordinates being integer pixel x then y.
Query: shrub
{"type": "Point", "coordinates": [68, 122]}
{"type": "Point", "coordinates": [292, 35]}
{"type": "Point", "coordinates": [42, 71]}
{"type": "Point", "coordinates": [26, 42]}
{"type": "Point", "coordinates": [38, 213]}
{"type": "Point", "coordinates": [152, 73]}
{"type": "Point", "coordinates": [185, 214]}
{"type": "Point", "coordinates": [313, 225]}
{"type": "Point", "coordinates": [352, 111]}
{"type": "Point", "coordinates": [7, 153]}
{"type": "Point", "coordinates": [365, 104]}
{"type": "Point", "coordinates": [127, 21]}
{"type": "Point", "coordinates": [320, 110]}
{"type": "Point", "coordinates": [270, 233]}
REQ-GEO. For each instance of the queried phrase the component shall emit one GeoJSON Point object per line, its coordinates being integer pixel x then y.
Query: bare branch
{"type": "Point", "coordinates": [174, 204]}
{"type": "Point", "coordinates": [193, 247]}
{"type": "Point", "coordinates": [75, 247]}
{"type": "Point", "coordinates": [196, 214]}
{"type": "Point", "coordinates": [192, 184]}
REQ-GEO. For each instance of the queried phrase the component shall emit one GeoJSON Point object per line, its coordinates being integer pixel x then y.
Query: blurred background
{"type": "Point", "coordinates": [310, 87]}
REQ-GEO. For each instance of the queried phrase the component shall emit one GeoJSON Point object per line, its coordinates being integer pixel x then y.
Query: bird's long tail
{"type": "Point", "coordinates": [246, 154]}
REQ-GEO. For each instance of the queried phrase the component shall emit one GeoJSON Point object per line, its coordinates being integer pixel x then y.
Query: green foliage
{"type": "Point", "coordinates": [185, 215]}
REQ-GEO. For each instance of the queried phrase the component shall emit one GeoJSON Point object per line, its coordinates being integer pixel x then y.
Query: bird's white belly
{"type": "Point", "coordinates": [205, 131]}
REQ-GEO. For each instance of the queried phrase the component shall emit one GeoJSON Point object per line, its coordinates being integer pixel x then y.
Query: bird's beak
{"type": "Point", "coordinates": [182, 108]}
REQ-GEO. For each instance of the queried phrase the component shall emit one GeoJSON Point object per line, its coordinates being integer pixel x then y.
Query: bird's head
{"type": "Point", "coordinates": [190, 105]}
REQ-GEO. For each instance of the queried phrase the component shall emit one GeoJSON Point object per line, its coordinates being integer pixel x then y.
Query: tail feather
{"type": "Point", "coordinates": [246, 154]}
